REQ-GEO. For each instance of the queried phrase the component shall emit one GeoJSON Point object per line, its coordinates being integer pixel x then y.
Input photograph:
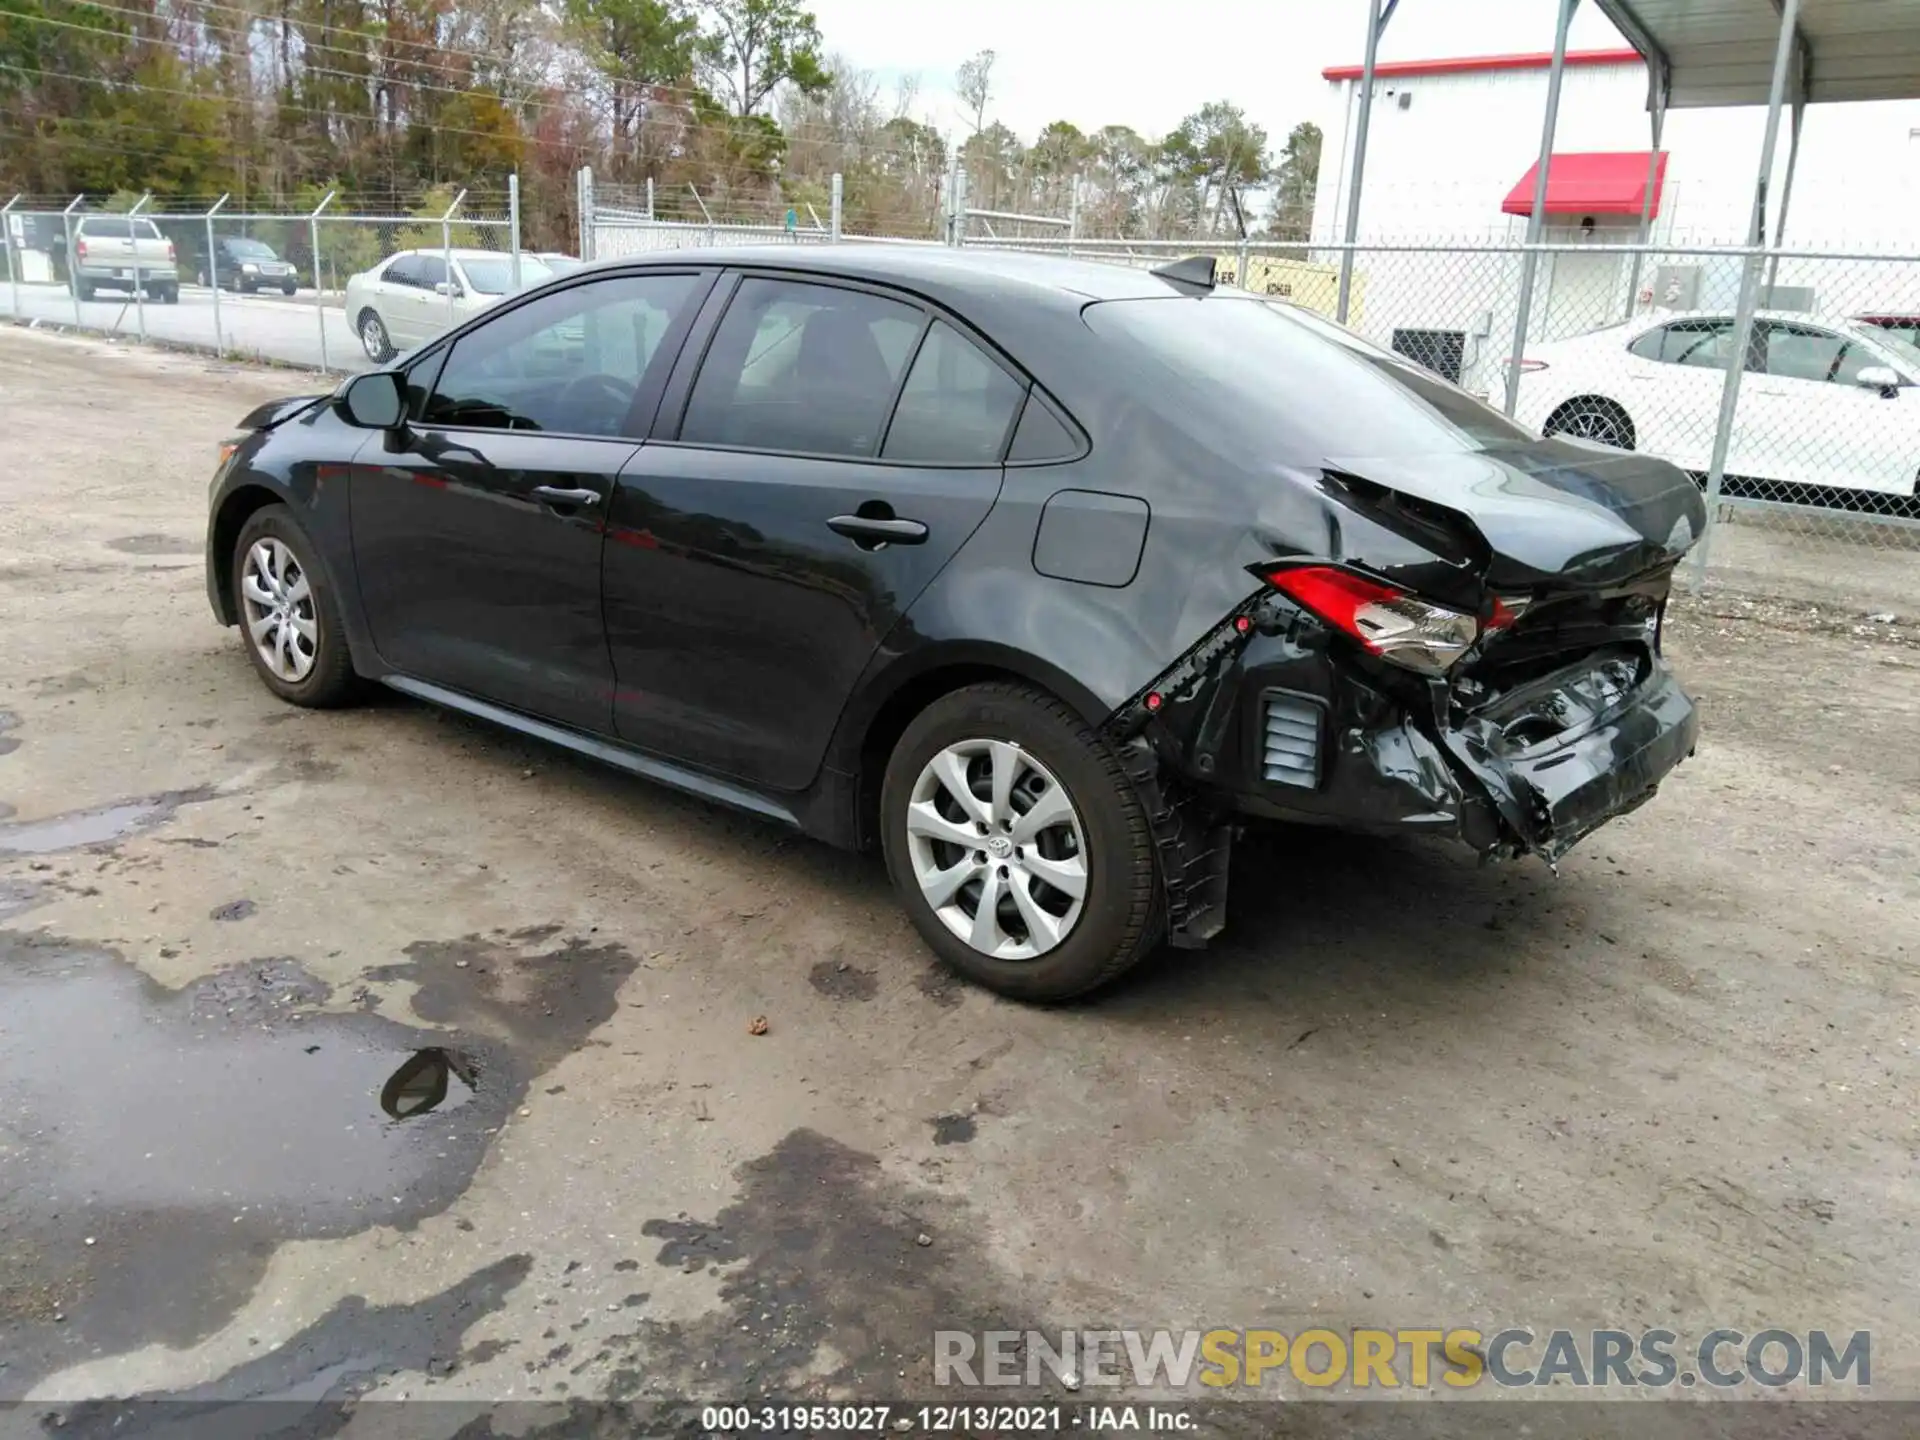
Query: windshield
{"type": "Point", "coordinates": [493, 274]}
{"type": "Point", "coordinates": [1903, 350]}
{"type": "Point", "coordinates": [1336, 394]}
{"type": "Point", "coordinates": [251, 249]}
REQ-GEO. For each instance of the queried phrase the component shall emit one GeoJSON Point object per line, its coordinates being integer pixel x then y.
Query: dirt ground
{"type": "Point", "coordinates": [1673, 1086]}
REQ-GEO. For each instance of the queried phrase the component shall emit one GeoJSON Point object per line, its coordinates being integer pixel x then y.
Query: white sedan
{"type": "Point", "coordinates": [1823, 404]}
{"type": "Point", "coordinates": [409, 298]}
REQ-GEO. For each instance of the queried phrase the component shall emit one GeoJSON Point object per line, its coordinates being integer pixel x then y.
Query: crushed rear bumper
{"type": "Point", "coordinates": [1264, 722]}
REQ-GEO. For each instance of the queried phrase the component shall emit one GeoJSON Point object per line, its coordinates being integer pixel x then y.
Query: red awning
{"type": "Point", "coordinates": [1610, 182]}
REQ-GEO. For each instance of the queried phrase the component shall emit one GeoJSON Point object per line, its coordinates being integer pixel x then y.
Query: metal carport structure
{"type": "Point", "coordinates": [1784, 54]}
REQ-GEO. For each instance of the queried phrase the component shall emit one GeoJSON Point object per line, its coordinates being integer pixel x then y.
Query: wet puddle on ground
{"type": "Point", "coordinates": [160, 1144]}
{"type": "Point", "coordinates": [157, 1146]}
{"type": "Point", "coordinates": [94, 827]}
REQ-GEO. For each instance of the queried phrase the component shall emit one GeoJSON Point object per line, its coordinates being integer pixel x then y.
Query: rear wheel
{"type": "Point", "coordinates": [82, 290]}
{"type": "Point", "coordinates": [1593, 417]}
{"type": "Point", "coordinates": [169, 294]}
{"type": "Point", "coordinates": [288, 617]}
{"type": "Point", "coordinates": [1017, 844]}
{"type": "Point", "coordinates": [373, 337]}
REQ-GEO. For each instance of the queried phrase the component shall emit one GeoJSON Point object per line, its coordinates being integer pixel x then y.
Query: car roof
{"type": "Point", "coordinates": [1789, 317]}
{"type": "Point", "coordinates": [458, 253]}
{"type": "Point", "coordinates": [932, 268]}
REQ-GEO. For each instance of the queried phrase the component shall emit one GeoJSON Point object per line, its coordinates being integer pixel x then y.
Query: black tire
{"type": "Point", "coordinates": [331, 682]}
{"type": "Point", "coordinates": [82, 290]}
{"type": "Point", "coordinates": [373, 336]}
{"type": "Point", "coordinates": [1593, 417]}
{"type": "Point", "coordinates": [288, 288]}
{"type": "Point", "coordinates": [1119, 922]}
{"type": "Point", "coordinates": [169, 295]}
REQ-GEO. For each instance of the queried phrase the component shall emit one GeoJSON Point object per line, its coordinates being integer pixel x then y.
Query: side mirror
{"type": "Point", "coordinates": [447, 287]}
{"type": "Point", "coordinates": [1883, 378]}
{"type": "Point", "coordinates": [375, 402]}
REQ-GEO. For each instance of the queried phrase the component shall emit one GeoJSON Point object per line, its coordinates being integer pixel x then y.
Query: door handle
{"type": "Point", "coordinates": [873, 531]}
{"type": "Point", "coordinates": [554, 495]}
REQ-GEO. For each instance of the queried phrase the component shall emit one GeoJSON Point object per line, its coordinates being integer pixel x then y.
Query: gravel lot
{"type": "Point", "coordinates": [1673, 1086]}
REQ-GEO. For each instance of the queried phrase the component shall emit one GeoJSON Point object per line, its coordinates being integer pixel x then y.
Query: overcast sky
{"type": "Point", "coordinates": [1101, 62]}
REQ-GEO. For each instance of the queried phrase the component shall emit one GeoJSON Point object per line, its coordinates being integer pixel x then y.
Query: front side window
{"type": "Point", "coordinates": [802, 369]}
{"type": "Point", "coordinates": [405, 270]}
{"type": "Point", "coordinates": [956, 407]}
{"type": "Point", "coordinates": [429, 270]}
{"type": "Point", "coordinates": [1800, 352]}
{"type": "Point", "coordinates": [568, 363]}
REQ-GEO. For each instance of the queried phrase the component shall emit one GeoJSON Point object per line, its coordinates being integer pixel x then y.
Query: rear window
{"type": "Point", "coordinates": [1334, 393]}
{"type": "Point", "coordinates": [105, 225]}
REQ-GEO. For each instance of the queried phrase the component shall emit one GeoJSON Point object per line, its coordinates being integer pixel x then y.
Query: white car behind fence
{"type": "Point", "coordinates": [409, 298]}
{"type": "Point", "coordinates": [1829, 412]}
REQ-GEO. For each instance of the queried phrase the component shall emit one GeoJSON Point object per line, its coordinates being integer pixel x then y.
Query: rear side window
{"type": "Point", "coordinates": [1041, 436]}
{"type": "Point", "coordinates": [1706, 343]}
{"type": "Point", "coordinates": [802, 369]}
{"type": "Point", "coordinates": [1269, 371]}
{"type": "Point", "coordinates": [957, 405]}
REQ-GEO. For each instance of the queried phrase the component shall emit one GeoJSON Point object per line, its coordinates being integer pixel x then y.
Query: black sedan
{"type": "Point", "coordinates": [1045, 578]}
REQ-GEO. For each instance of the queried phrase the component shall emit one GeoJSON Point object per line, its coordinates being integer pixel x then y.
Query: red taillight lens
{"type": "Point", "coordinates": [169, 250]}
{"type": "Point", "coordinates": [1531, 367]}
{"type": "Point", "coordinates": [1388, 621]}
{"type": "Point", "coordinates": [80, 248]}
{"type": "Point", "coordinates": [1505, 612]}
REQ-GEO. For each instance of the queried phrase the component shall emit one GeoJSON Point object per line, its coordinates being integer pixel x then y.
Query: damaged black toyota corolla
{"type": "Point", "coordinates": [1044, 577]}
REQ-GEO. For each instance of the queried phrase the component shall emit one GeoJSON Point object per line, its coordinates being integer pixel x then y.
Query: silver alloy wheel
{"type": "Point", "coordinates": [998, 848]}
{"type": "Point", "coordinates": [1594, 424]}
{"type": "Point", "coordinates": [373, 337]}
{"type": "Point", "coordinates": [279, 610]}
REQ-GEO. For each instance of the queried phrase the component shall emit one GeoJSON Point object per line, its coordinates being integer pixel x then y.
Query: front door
{"type": "Point", "coordinates": [838, 447]}
{"type": "Point", "coordinates": [477, 534]}
{"type": "Point", "coordinates": [1816, 425]}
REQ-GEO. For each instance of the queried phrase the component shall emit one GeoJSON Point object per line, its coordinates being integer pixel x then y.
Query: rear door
{"type": "Point", "coordinates": [1677, 373]}
{"type": "Point", "coordinates": [477, 534]}
{"type": "Point", "coordinates": [836, 447]}
{"type": "Point", "coordinates": [394, 290]}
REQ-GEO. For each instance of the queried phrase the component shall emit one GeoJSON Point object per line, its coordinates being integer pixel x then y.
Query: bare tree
{"type": "Point", "coordinates": [973, 83]}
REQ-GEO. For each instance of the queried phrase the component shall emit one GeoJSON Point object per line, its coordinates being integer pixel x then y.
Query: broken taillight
{"type": "Point", "coordinates": [1392, 623]}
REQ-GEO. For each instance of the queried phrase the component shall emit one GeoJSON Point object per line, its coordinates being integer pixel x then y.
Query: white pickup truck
{"type": "Point", "coordinates": [117, 252]}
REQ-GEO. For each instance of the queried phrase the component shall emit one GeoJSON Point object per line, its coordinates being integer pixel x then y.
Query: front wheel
{"type": "Point", "coordinates": [1017, 844]}
{"type": "Point", "coordinates": [373, 338]}
{"type": "Point", "coordinates": [287, 614]}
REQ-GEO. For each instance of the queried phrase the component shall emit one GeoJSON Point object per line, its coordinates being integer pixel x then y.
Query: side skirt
{"type": "Point", "coordinates": [595, 748]}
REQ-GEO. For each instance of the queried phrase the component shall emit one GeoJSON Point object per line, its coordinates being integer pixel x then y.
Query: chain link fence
{"type": "Point", "coordinates": [326, 287]}
{"type": "Point", "coordinates": [1811, 476]}
{"type": "Point", "coordinates": [1806, 439]}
